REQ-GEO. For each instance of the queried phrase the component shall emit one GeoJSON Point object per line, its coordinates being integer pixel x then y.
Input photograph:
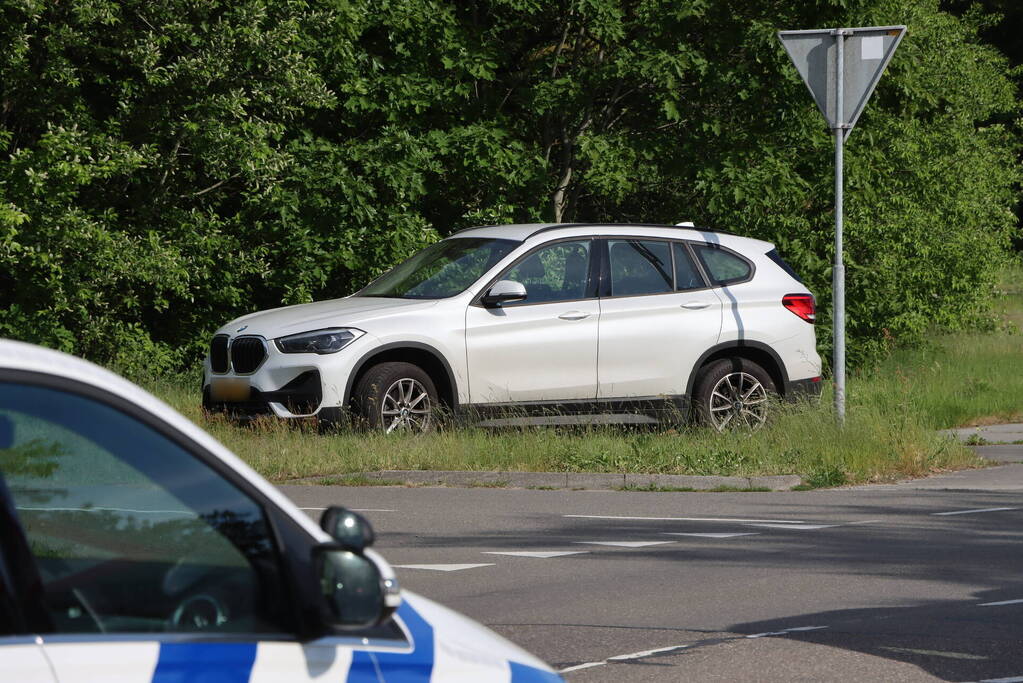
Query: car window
{"type": "Point", "coordinates": [557, 272]}
{"type": "Point", "coordinates": [129, 531]}
{"type": "Point", "coordinates": [722, 266]}
{"type": "Point", "coordinates": [687, 275]}
{"type": "Point", "coordinates": [640, 267]}
{"type": "Point", "coordinates": [441, 270]}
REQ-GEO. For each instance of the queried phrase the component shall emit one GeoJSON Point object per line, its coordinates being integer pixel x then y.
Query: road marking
{"type": "Point", "coordinates": [689, 519]}
{"type": "Point", "coordinates": [996, 604]}
{"type": "Point", "coordinates": [537, 553]}
{"type": "Point", "coordinates": [623, 658]}
{"type": "Point", "coordinates": [744, 533]}
{"type": "Point", "coordinates": [353, 509]}
{"type": "Point", "coordinates": [626, 544]}
{"type": "Point", "coordinates": [970, 512]}
{"type": "Point", "coordinates": [1011, 679]}
{"type": "Point", "coordinates": [934, 653]}
{"type": "Point", "coordinates": [783, 632]}
{"type": "Point", "coordinates": [443, 567]}
{"type": "Point", "coordinates": [796, 526]}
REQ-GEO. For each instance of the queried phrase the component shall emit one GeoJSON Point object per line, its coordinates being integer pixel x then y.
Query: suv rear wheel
{"type": "Point", "coordinates": [733, 393]}
{"type": "Point", "coordinates": [397, 397]}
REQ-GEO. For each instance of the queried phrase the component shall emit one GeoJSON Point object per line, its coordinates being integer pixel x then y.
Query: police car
{"type": "Point", "coordinates": [134, 547]}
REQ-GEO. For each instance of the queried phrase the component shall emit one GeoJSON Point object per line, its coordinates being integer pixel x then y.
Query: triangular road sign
{"type": "Point", "coordinates": [866, 53]}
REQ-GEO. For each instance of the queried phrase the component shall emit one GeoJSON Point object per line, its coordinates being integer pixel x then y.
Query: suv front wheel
{"type": "Point", "coordinates": [733, 393]}
{"type": "Point", "coordinates": [397, 397]}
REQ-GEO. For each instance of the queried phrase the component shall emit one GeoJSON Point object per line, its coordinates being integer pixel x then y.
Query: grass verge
{"type": "Point", "coordinates": [893, 412]}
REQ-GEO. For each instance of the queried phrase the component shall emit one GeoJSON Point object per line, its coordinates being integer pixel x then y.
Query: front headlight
{"type": "Point", "coordinates": [318, 341]}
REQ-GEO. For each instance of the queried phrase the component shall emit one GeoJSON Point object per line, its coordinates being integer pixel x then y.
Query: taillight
{"type": "Point", "coordinates": [802, 305]}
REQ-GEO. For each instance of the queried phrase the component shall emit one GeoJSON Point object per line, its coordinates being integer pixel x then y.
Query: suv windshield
{"type": "Point", "coordinates": [441, 270]}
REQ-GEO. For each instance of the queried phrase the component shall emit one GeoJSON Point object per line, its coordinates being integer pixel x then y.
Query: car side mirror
{"type": "Point", "coordinates": [504, 291]}
{"type": "Point", "coordinates": [350, 529]}
{"type": "Point", "coordinates": [352, 587]}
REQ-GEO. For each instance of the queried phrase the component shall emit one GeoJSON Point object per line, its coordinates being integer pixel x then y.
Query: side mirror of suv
{"type": "Point", "coordinates": [504, 291]}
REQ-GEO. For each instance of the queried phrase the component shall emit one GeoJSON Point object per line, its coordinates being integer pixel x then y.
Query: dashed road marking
{"type": "Point", "coordinates": [623, 658]}
{"type": "Point", "coordinates": [626, 544]}
{"type": "Point", "coordinates": [794, 629]}
{"type": "Point", "coordinates": [970, 512]}
{"type": "Point", "coordinates": [934, 653]}
{"type": "Point", "coordinates": [443, 567]}
{"type": "Point", "coordinates": [689, 519]}
{"type": "Point", "coordinates": [1002, 602]}
{"type": "Point", "coordinates": [712, 535]}
{"type": "Point", "coordinates": [540, 554]}
{"type": "Point", "coordinates": [796, 526]}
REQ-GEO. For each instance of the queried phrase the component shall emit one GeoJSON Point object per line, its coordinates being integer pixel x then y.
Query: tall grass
{"type": "Point", "coordinates": [894, 410]}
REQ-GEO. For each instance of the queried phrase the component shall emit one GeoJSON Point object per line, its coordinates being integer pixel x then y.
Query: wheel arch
{"type": "Point", "coordinates": [758, 352]}
{"type": "Point", "coordinates": [422, 355]}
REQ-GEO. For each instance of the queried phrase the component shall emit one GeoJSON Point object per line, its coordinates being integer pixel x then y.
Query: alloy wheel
{"type": "Point", "coordinates": [406, 407]}
{"type": "Point", "coordinates": [738, 400]}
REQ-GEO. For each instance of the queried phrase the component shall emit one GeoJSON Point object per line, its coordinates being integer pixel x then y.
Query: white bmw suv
{"type": "Point", "coordinates": [566, 320]}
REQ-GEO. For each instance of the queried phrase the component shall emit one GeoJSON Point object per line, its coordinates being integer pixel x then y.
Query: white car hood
{"type": "Point", "coordinates": [352, 311]}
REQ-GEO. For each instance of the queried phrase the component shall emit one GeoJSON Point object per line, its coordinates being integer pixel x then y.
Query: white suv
{"type": "Point", "coordinates": [560, 319]}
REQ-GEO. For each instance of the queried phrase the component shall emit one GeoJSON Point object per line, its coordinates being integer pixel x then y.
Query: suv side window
{"type": "Point", "coordinates": [687, 275]}
{"type": "Point", "coordinates": [557, 272]}
{"type": "Point", "coordinates": [640, 267]}
{"type": "Point", "coordinates": [129, 531]}
{"type": "Point", "coordinates": [722, 266]}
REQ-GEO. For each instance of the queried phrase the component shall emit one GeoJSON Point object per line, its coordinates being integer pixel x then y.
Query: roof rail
{"type": "Point", "coordinates": [682, 226]}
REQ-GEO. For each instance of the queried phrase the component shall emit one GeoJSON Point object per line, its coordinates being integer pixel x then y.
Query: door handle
{"type": "Point", "coordinates": [574, 315]}
{"type": "Point", "coordinates": [695, 305]}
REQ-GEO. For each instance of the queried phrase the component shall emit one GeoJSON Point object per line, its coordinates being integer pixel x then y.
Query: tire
{"type": "Point", "coordinates": [396, 396]}
{"type": "Point", "coordinates": [734, 393]}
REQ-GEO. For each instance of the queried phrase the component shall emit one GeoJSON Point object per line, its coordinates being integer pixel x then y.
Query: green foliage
{"type": "Point", "coordinates": [166, 165]}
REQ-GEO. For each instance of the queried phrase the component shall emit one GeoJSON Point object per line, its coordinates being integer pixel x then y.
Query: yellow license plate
{"type": "Point", "coordinates": [231, 389]}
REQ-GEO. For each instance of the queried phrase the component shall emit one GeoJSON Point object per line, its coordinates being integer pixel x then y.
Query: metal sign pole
{"type": "Point", "coordinates": [838, 273]}
{"type": "Point", "coordinates": [841, 84]}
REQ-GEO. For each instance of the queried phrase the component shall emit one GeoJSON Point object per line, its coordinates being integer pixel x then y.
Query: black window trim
{"type": "Point", "coordinates": [285, 533]}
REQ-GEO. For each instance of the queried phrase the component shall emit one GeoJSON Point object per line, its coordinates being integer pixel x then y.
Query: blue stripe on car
{"type": "Point", "coordinates": [204, 663]}
{"type": "Point", "coordinates": [520, 673]}
{"type": "Point", "coordinates": [402, 667]}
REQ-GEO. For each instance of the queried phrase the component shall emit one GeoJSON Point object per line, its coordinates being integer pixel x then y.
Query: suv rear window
{"type": "Point", "coordinates": [783, 264]}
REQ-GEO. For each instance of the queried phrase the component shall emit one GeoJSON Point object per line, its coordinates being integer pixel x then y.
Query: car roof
{"type": "Point", "coordinates": [28, 357]}
{"type": "Point", "coordinates": [520, 232]}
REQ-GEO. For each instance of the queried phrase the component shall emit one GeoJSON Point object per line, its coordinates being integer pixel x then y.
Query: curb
{"type": "Point", "coordinates": [568, 480]}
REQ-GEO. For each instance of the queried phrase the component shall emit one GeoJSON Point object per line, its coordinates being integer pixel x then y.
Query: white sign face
{"type": "Point", "coordinates": [866, 53]}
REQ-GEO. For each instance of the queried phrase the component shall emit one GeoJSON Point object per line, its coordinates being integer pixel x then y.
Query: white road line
{"type": "Point", "coordinates": [625, 544]}
{"type": "Point", "coordinates": [796, 526]}
{"type": "Point", "coordinates": [935, 653]}
{"type": "Point", "coordinates": [783, 632]}
{"type": "Point", "coordinates": [996, 604]}
{"type": "Point", "coordinates": [353, 509]}
{"type": "Point", "coordinates": [689, 519]}
{"type": "Point", "coordinates": [970, 512]}
{"type": "Point", "coordinates": [540, 554]}
{"type": "Point", "coordinates": [443, 567]}
{"type": "Point", "coordinates": [623, 658]}
{"type": "Point", "coordinates": [1011, 679]}
{"type": "Point", "coordinates": [744, 533]}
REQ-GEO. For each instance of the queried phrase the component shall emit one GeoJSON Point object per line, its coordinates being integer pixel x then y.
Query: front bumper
{"type": "Point", "coordinates": [288, 385]}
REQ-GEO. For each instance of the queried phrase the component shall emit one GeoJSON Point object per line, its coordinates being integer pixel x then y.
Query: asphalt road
{"type": "Point", "coordinates": [878, 583]}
